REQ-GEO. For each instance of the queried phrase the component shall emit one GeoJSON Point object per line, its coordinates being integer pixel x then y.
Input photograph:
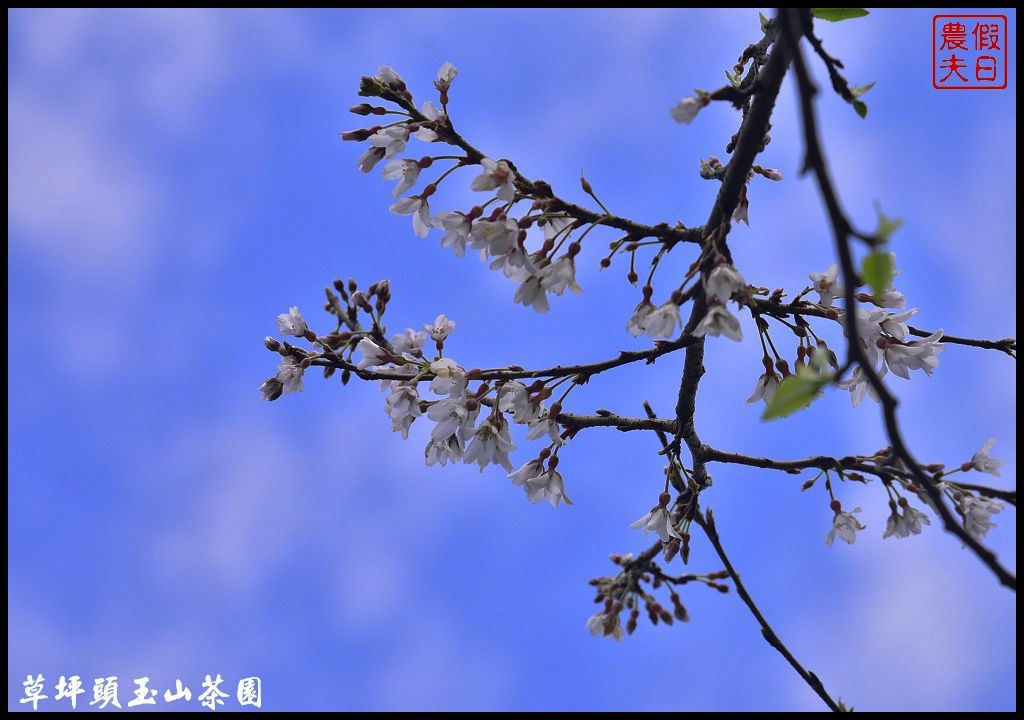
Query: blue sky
{"type": "Point", "coordinates": [175, 180]}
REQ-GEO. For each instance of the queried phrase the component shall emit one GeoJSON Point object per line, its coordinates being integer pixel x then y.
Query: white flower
{"type": "Point", "coordinates": [543, 425]}
{"type": "Point", "coordinates": [369, 159]}
{"type": "Point", "coordinates": [686, 109]}
{"type": "Point", "coordinates": [271, 389]}
{"type": "Point", "coordinates": [891, 299]}
{"type": "Point", "coordinates": [540, 484]}
{"type": "Point", "coordinates": [456, 228]}
{"type": "Point", "coordinates": [494, 237]}
{"type": "Point", "coordinates": [441, 328]}
{"type": "Point", "coordinates": [742, 212]}
{"type": "Point", "coordinates": [722, 283]}
{"type": "Point", "coordinates": [409, 341]}
{"type": "Point", "coordinates": [826, 284]}
{"type": "Point", "coordinates": [982, 462]}
{"type": "Point", "coordinates": [389, 77]}
{"type": "Point", "coordinates": [765, 388]}
{"type": "Point", "coordinates": [491, 443]}
{"type": "Point", "coordinates": [373, 354]}
{"type": "Point", "coordinates": [419, 208]}
{"type": "Point", "coordinates": [914, 519]}
{"type": "Point", "coordinates": [531, 294]}
{"type": "Point", "coordinates": [496, 175]}
{"type": "Point", "coordinates": [403, 407]}
{"type": "Point", "coordinates": [636, 326]}
{"type": "Point", "coordinates": [559, 275]}
{"type": "Point", "coordinates": [405, 171]}
{"type": "Point", "coordinates": [443, 451]}
{"type": "Point", "coordinates": [555, 224]}
{"type": "Point", "coordinates": [390, 139]}
{"type": "Point", "coordinates": [516, 265]}
{"type": "Point", "coordinates": [511, 396]}
{"type": "Point", "coordinates": [977, 512]}
{"type": "Point", "coordinates": [911, 522]}
{"type": "Point", "coordinates": [919, 355]}
{"type": "Point", "coordinates": [662, 321]}
{"type": "Point", "coordinates": [432, 113]}
{"type": "Point", "coordinates": [445, 75]}
{"type": "Point", "coordinates": [719, 321]}
{"type": "Point", "coordinates": [894, 324]}
{"type": "Point", "coordinates": [289, 373]}
{"type": "Point", "coordinates": [453, 415]}
{"type": "Point", "coordinates": [859, 387]}
{"type": "Point", "coordinates": [605, 624]}
{"type": "Point", "coordinates": [660, 521]}
{"type": "Point", "coordinates": [846, 526]}
{"type": "Point", "coordinates": [449, 378]}
{"type": "Point", "coordinates": [292, 323]}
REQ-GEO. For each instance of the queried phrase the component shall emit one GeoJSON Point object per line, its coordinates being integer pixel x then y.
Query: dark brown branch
{"type": "Point", "coordinates": [1009, 496]}
{"type": "Point", "coordinates": [820, 462]}
{"type": "Point", "coordinates": [621, 422]}
{"type": "Point", "coordinates": [671, 234]}
{"type": "Point", "coordinates": [779, 309]}
{"type": "Point", "coordinates": [795, 24]}
{"type": "Point", "coordinates": [625, 357]}
{"type": "Point", "coordinates": [708, 526]}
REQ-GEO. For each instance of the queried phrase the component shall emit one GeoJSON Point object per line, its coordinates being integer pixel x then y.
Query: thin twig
{"type": "Point", "coordinates": [708, 526]}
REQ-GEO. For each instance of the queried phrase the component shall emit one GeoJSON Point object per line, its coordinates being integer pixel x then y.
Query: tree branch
{"type": "Point", "coordinates": [708, 526]}
{"type": "Point", "coordinates": [795, 24]}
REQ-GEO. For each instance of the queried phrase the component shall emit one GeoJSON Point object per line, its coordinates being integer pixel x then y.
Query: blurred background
{"type": "Point", "coordinates": [175, 180]}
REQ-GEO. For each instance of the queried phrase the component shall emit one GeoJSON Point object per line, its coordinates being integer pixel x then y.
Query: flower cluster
{"type": "Point", "coordinates": [501, 239]}
{"type": "Point", "coordinates": [523, 230]}
{"type": "Point", "coordinates": [471, 418]}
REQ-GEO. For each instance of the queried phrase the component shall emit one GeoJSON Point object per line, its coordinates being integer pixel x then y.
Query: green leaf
{"type": "Point", "coordinates": [764, 22]}
{"type": "Point", "coordinates": [858, 90]}
{"type": "Point", "coordinates": [887, 226]}
{"type": "Point", "coordinates": [837, 14]}
{"type": "Point", "coordinates": [861, 108]}
{"type": "Point", "coordinates": [876, 270]}
{"type": "Point", "coordinates": [795, 393]}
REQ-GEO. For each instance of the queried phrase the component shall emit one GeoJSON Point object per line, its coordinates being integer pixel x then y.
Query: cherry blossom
{"type": "Point", "coordinates": [292, 323]}
{"type": "Point", "coordinates": [605, 624]}
{"type": "Point", "coordinates": [491, 444]}
{"type": "Point", "coordinates": [446, 75]}
{"type": "Point", "coordinates": [826, 284]}
{"type": "Point", "coordinates": [405, 171]}
{"type": "Point", "coordinates": [373, 354]}
{"type": "Point", "coordinates": [441, 452]}
{"type": "Point", "coordinates": [660, 521]}
{"type": "Point", "coordinates": [441, 329]}
{"type": "Point", "coordinates": [496, 175]}
{"type": "Point", "coordinates": [455, 414]}
{"type": "Point", "coordinates": [719, 321]}
{"type": "Point", "coordinates": [560, 275]}
{"type": "Point", "coordinates": [765, 388]}
{"type": "Point", "coordinates": [686, 109]}
{"type": "Point", "coordinates": [531, 294]}
{"type": "Point", "coordinates": [983, 462]}
{"type": "Point", "coordinates": [540, 484]}
{"type": "Point", "coordinates": [456, 228]}
{"type": "Point", "coordinates": [845, 525]}
{"type": "Point", "coordinates": [403, 407]}
{"type": "Point", "coordinates": [977, 513]}
{"type": "Point", "coordinates": [662, 321]}
{"type": "Point", "coordinates": [419, 208]}
{"type": "Point", "coordinates": [289, 373]}
{"type": "Point", "coordinates": [390, 139]}
{"type": "Point", "coordinates": [722, 282]}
